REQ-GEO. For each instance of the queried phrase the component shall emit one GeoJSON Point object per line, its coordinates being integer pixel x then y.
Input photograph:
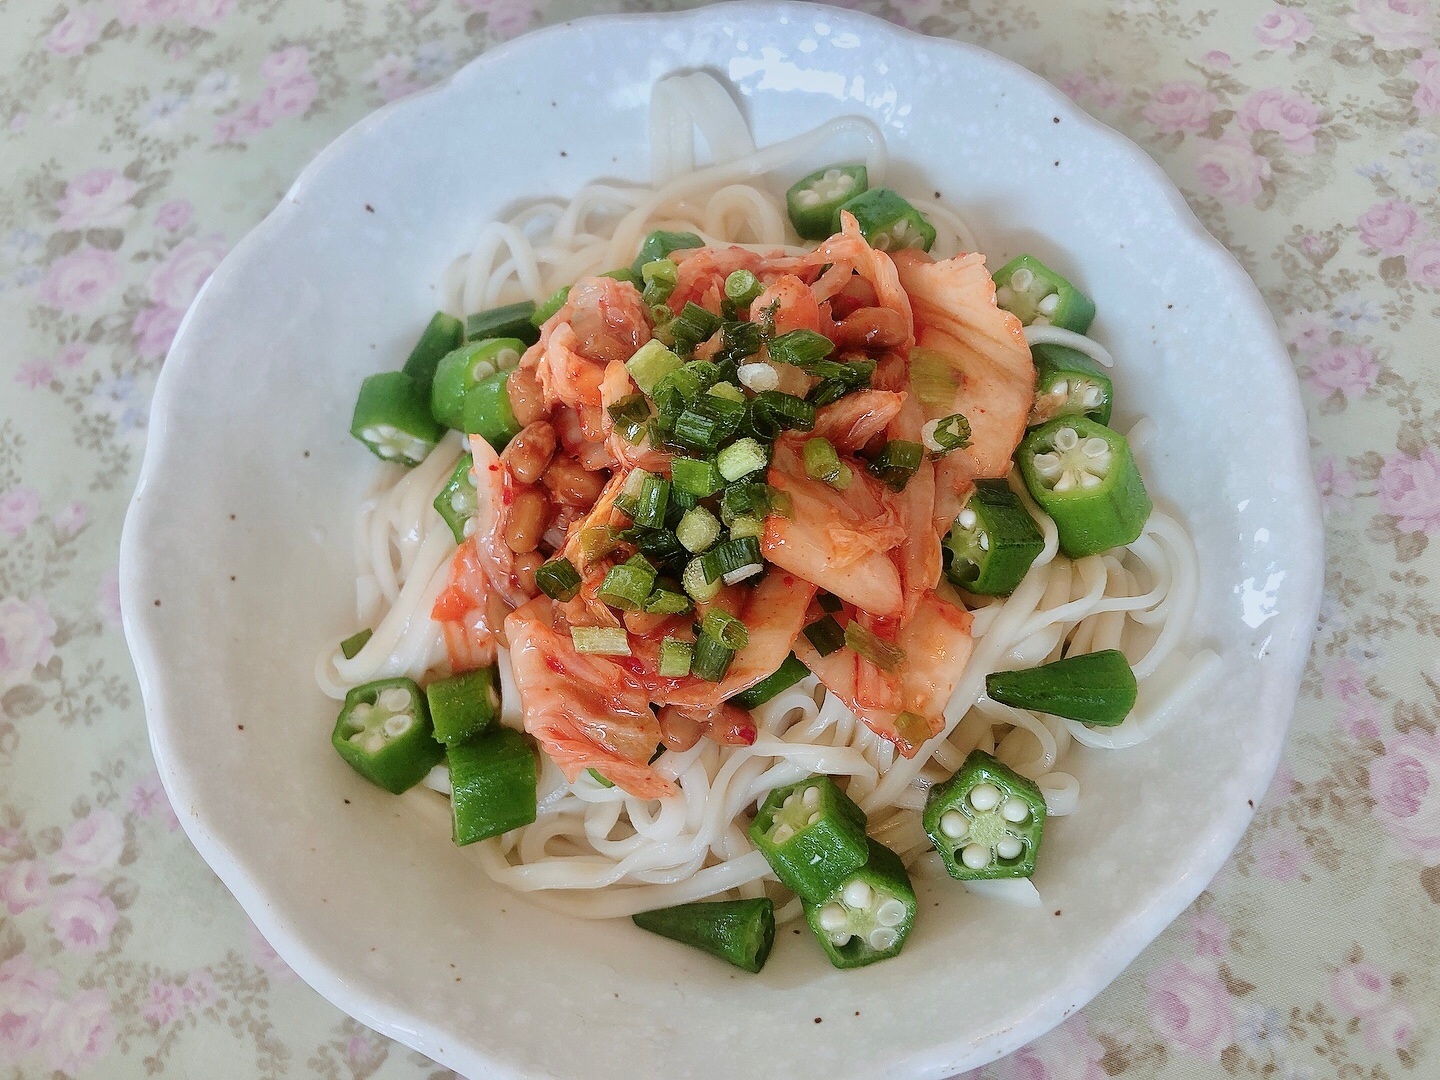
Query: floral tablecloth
{"type": "Point", "coordinates": [140, 139]}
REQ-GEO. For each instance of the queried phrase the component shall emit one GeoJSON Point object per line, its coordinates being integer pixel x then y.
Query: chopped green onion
{"type": "Point", "coordinates": [782, 678]}
{"type": "Point", "coordinates": [825, 635]}
{"type": "Point", "coordinates": [510, 321]}
{"type": "Point", "coordinates": [352, 645]}
{"type": "Point", "coordinates": [692, 326]}
{"type": "Point", "coordinates": [896, 463]}
{"type": "Point", "coordinates": [667, 602]}
{"type": "Point", "coordinates": [726, 629]}
{"type": "Point", "coordinates": [711, 659]}
{"type": "Point", "coordinates": [830, 602]}
{"type": "Point", "coordinates": [695, 476]}
{"type": "Point", "coordinates": [823, 463]}
{"type": "Point", "coordinates": [627, 585]}
{"type": "Point", "coordinates": [741, 288]}
{"type": "Point", "coordinates": [602, 781]}
{"type": "Point", "coordinates": [660, 243]}
{"type": "Point", "coordinates": [630, 415]}
{"type": "Point", "coordinates": [600, 640]}
{"type": "Point", "coordinates": [550, 306]}
{"type": "Point", "coordinates": [708, 421]}
{"type": "Point", "coordinates": [673, 392]}
{"type": "Point", "coordinates": [596, 542]}
{"type": "Point", "coordinates": [741, 458]}
{"type": "Point", "coordinates": [934, 378]}
{"type": "Point", "coordinates": [745, 500]}
{"type": "Point", "coordinates": [694, 581]}
{"type": "Point", "coordinates": [746, 525]}
{"type": "Point", "coordinates": [675, 658]}
{"type": "Point", "coordinates": [558, 579]}
{"type": "Point", "coordinates": [801, 348]}
{"type": "Point", "coordinates": [946, 434]}
{"type": "Point", "coordinates": [732, 561]}
{"type": "Point", "coordinates": [698, 529]}
{"type": "Point", "coordinates": [785, 412]}
{"type": "Point", "coordinates": [650, 503]}
{"type": "Point", "coordinates": [739, 340]}
{"type": "Point", "coordinates": [660, 278]}
{"type": "Point", "coordinates": [624, 273]}
{"type": "Point", "coordinates": [651, 363]}
{"type": "Point", "coordinates": [659, 546]}
{"type": "Point", "coordinates": [883, 654]}
{"type": "Point", "coordinates": [727, 390]}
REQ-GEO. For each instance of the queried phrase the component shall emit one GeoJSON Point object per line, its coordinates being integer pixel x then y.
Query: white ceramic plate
{"type": "Point", "coordinates": [236, 564]}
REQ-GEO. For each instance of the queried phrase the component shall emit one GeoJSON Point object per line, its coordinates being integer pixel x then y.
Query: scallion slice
{"type": "Point", "coordinates": [782, 678]}
{"type": "Point", "coordinates": [697, 530]}
{"type": "Point", "coordinates": [741, 458]}
{"type": "Point", "coordinates": [829, 602]}
{"type": "Point", "coordinates": [708, 421]}
{"type": "Point", "coordinates": [596, 541]}
{"type": "Point", "coordinates": [725, 560]}
{"type": "Point", "coordinates": [745, 500]}
{"type": "Point", "coordinates": [630, 415]}
{"type": "Point", "coordinates": [739, 340]}
{"type": "Point", "coordinates": [667, 602]}
{"type": "Point", "coordinates": [651, 363]}
{"type": "Point", "coordinates": [355, 642]}
{"type": "Point", "coordinates": [627, 585]}
{"type": "Point", "coordinates": [694, 581]}
{"type": "Point", "coordinates": [946, 434]}
{"type": "Point", "coordinates": [825, 635]}
{"type": "Point", "coordinates": [822, 462]}
{"type": "Point", "coordinates": [551, 306]}
{"type": "Point", "coordinates": [727, 390]}
{"type": "Point", "coordinates": [675, 658]}
{"type": "Point", "coordinates": [741, 288]}
{"type": "Point", "coordinates": [711, 659]}
{"type": "Point", "coordinates": [726, 629]}
{"type": "Point", "coordinates": [801, 348]}
{"type": "Point", "coordinates": [677, 389]}
{"type": "Point", "coordinates": [659, 546]}
{"type": "Point", "coordinates": [692, 326]}
{"type": "Point", "coordinates": [558, 579]}
{"type": "Point", "coordinates": [883, 654]}
{"type": "Point", "coordinates": [600, 640]}
{"type": "Point", "coordinates": [783, 412]}
{"type": "Point", "coordinates": [651, 501]}
{"type": "Point", "coordinates": [896, 463]}
{"type": "Point", "coordinates": [695, 476]}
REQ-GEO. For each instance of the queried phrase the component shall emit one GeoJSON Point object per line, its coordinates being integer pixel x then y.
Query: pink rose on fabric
{"type": "Point", "coordinates": [1410, 489]}
{"type": "Point", "coordinates": [34, 374]}
{"type": "Point", "coordinates": [1211, 934]}
{"type": "Point", "coordinates": [1391, 1028]}
{"type": "Point", "coordinates": [1423, 264]}
{"type": "Point", "coordinates": [26, 629]}
{"type": "Point", "coordinates": [1281, 858]}
{"type": "Point", "coordinates": [198, 990]}
{"type": "Point", "coordinates": [204, 13]}
{"type": "Point", "coordinates": [27, 995]}
{"type": "Point", "coordinates": [82, 916]}
{"type": "Point", "coordinates": [148, 799]}
{"type": "Point", "coordinates": [1359, 989]}
{"type": "Point", "coordinates": [267, 959]}
{"type": "Point", "coordinates": [79, 1032]}
{"type": "Point", "coordinates": [1066, 1053]}
{"type": "Point", "coordinates": [1290, 116]}
{"type": "Point", "coordinates": [1350, 369]}
{"type": "Point", "coordinates": [1360, 720]}
{"type": "Point", "coordinates": [1308, 331]}
{"type": "Point", "coordinates": [154, 329]}
{"type": "Point", "coordinates": [1405, 784]}
{"type": "Point", "coordinates": [1218, 58]}
{"type": "Point", "coordinates": [145, 12]}
{"type": "Point", "coordinates": [24, 885]}
{"type": "Point", "coordinates": [1074, 85]}
{"type": "Point", "coordinates": [286, 64]}
{"type": "Point", "coordinates": [1230, 170]}
{"type": "Point", "coordinates": [175, 281]}
{"type": "Point", "coordinates": [107, 598]}
{"type": "Point", "coordinates": [1190, 1009]}
{"type": "Point", "coordinates": [75, 33]}
{"type": "Point", "coordinates": [1283, 28]}
{"type": "Point", "coordinates": [391, 76]}
{"type": "Point", "coordinates": [92, 843]}
{"type": "Point", "coordinates": [165, 1003]}
{"type": "Point", "coordinates": [174, 215]}
{"type": "Point", "coordinates": [1427, 71]}
{"type": "Point", "coordinates": [98, 199]}
{"type": "Point", "coordinates": [1394, 24]}
{"type": "Point", "coordinates": [80, 281]}
{"type": "Point", "coordinates": [281, 100]}
{"type": "Point", "coordinates": [1389, 226]}
{"type": "Point", "coordinates": [71, 357]}
{"type": "Point", "coordinates": [1180, 106]}
{"type": "Point", "coordinates": [511, 17]}
{"type": "Point", "coordinates": [71, 519]}
{"type": "Point", "coordinates": [19, 507]}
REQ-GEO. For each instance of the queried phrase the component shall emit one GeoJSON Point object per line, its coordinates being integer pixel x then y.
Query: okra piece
{"type": "Point", "coordinates": [1082, 474]}
{"type": "Point", "coordinates": [392, 417]}
{"type": "Point", "coordinates": [488, 413]}
{"type": "Point", "coordinates": [814, 201]}
{"type": "Point", "coordinates": [458, 500]}
{"type": "Point", "coordinates": [868, 915]}
{"type": "Point", "coordinates": [492, 785]}
{"type": "Point", "coordinates": [782, 678]}
{"type": "Point", "coordinates": [444, 333]}
{"type": "Point", "coordinates": [993, 542]}
{"type": "Point", "coordinates": [887, 221]}
{"type": "Point", "coordinates": [1069, 383]}
{"type": "Point", "coordinates": [740, 932]}
{"type": "Point", "coordinates": [660, 243]}
{"type": "Point", "coordinates": [463, 706]}
{"type": "Point", "coordinates": [812, 835]}
{"type": "Point", "coordinates": [384, 733]}
{"type": "Point", "coordinates": [1094, 688]}
{"type": "Point", "coordinates": [464, 369]}
{"type": "Point", "coordinates": [510, 321]}
{"type": "Point", "coordinates": [986, 820]}
{"type": "Point", "coordinates": [1037, 295]}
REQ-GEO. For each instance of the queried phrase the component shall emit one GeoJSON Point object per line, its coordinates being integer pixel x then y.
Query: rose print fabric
{"type": "Point", "coordinates": [141, 140]}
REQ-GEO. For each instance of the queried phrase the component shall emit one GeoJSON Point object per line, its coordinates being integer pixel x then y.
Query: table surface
{"type": "Point", "coordinates": [140, 139]}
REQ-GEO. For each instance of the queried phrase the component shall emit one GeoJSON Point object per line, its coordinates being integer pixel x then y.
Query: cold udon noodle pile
{"type": "Point", "coordinates": [596, 852]}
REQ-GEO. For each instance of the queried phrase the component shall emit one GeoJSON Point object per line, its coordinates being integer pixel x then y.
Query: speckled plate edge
{"type": "Point", "coordinates": [1115, 953]}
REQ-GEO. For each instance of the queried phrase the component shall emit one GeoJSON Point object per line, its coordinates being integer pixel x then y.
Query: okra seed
{"type": "Point", "coordinates": [398, 725]}
{"type": "Point", "coordinates": [1089, 480]}
{"type": "Point", "coordinates": [481, 370]}
{"type": "Point", "coordinates": [812, 796]}
{"type": "Point", "coordinates": [953, 824]}
{"type": "Point", "coordinates": [374, 742]}
{"type": "Point", "coordinates": [890, 913]}
{"type": "Point", "coordinates": [1048, 305]}
{"type": "Point", "coordinates": [1091, 397]}
{"type": "Point", "coordinates": [394, 699]}
{"type": "Point", "coordinates": [856, 894]}
{"type": "Point", "coordinates": [966, 519]}
{"type": "Point", "coordinates": [1014, 810]}
{"type": "Point", "coordinates": [1096, 447]}
{"type": "Point", "coordinates": [882, 937]}
{"type": "Point", "coordinates": [783, 833]}
{"type": "Point", "coordinates": [975, 856]}
{"type": "Point", "coordinates": [789, 802]}
{"type": "Point", "coordinates": [1061, 388]}
{"type": "Point", "coordinates": [840, 937]}
{"type": "Point", "coordinates": [1009, 848]}
{"type": "Point", "coordinates": [985, 797]}
{"type": "Point", "coordinates": [1040, 320]}
{"type": "Point", "coordinates": [833, 917]}
{"type": "Point", "coordinates": [1022, 279]}
{"type": "Point", "coordinates": [359, 713]}
{"type": "Point", "coordinates": [1066, 440]}
{"type": "Point", "coordinates": [469, 527]}
{"type": "Point", "coordinates": [984, 541]}
{"type": "Point", "coordinates": [808, 198]}
{"type": "Point", "coordinates": [1004, 297]}
{"type": "Point", "coordinates": [813, 818]}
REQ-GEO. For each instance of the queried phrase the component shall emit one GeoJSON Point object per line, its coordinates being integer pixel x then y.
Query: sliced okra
{"type": "Point", "coordinates": [814, 201]}
{"type": "Point", "coordinates": [458, 500]}
{"type": "Point", "coordinates": [868, 915]}
{"type": "Point", "coordinates": [465, 368]}
{"type": "Point", "coordinates": [488, 412]}
{"type": "Point", "coordinates": [1093, 688]}
{"type": "Point", "coordinates": [986, 820]}
{"type": "Point", "coordinates": [492, 785]}
{"type": "Point", "coordinates": [740, 932]}
{"type": "Point", "coordinates": [392, 418]}
{"type": "Point", "coordinates": [463, 706]}
{"type": "Point", "coordinates": [888, 221]}
{"type": "Point", "coordinates": [444, 333]}
{"type": "Point", "coordinates": [1037, 295]}
{"type": "Point", "coordinates": [1082, 474]}
{"type": "Point", "coordinates": [994, 540]}
{"type": "Point", "coordinates": [812, 835]}
{"type": "Point", "coordinates": [384, 733]}
{"type": "Point", "coordinates": [1069, 383]}
{"type": "Point", "coordinates": [510, 321]}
